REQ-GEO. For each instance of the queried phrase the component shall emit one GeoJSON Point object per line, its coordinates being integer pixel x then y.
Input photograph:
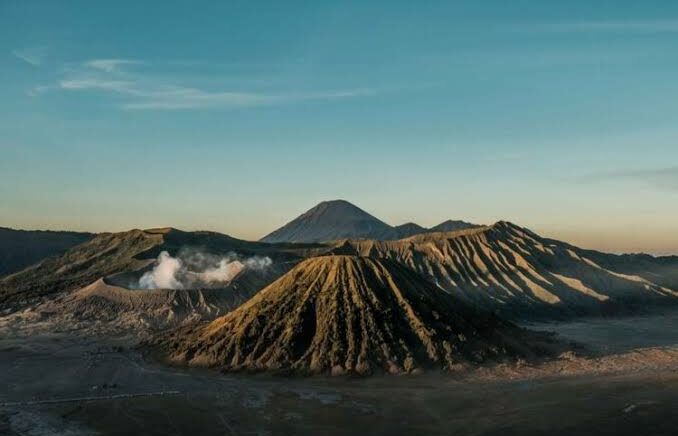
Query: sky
{"type": "Point", "coordinates": [238, 116]}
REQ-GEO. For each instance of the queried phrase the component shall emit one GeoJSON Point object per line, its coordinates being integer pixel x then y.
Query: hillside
{"type": "Point", "coordinates": [339, 219]}
{"type": "Point", "coordinates": [331, 220]}
{"type": "Point", "coordinates": [22, 248]}
{"type": "Point", "coordinates": [104, 308]}
{"type": "Point", "coordinates": [408, 229]}
{"type": "Point", "coordinates": [502, 268]}
{"type": "Point", "coordinates": [411, 229]}
{"type": "Point", "coordinates": [451, 226]}
{"type": "Point", "coordinates": [126, 253]}
{"type": "Point", "coordinates": [516, 273]}
{"type": "Point", "coordinates": [347, 314]}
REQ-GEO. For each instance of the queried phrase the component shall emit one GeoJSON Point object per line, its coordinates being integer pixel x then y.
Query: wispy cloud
{"type": "Point", "coordinates": [38, 90]}
{"type": "Point", "coordinates": [665, 178]}
{"type": "Point", "coordinates": [191, 98]}
{"type": "Point", "coordinates": [637, 26]}
{"type": "Point", "coordinates": [139, 89]}
{"type": "Point", "coordinates": [98, 84]}
{"type": "Point", "coordinates": [110, 65]}
{"type": "Point", "coordinates": [31, 55]}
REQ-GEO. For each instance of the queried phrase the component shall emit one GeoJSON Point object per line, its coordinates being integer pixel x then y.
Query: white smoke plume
{"type": "Point", "coordinates": [222, 273]}
{"type": "Point", "coordinates": [163, 275]}
{"type": "Point", "coordinates": [196, 269]}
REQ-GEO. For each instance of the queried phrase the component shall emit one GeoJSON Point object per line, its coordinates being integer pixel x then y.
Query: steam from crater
{"type": "Point", "coordinates": [163, 275]}
{"type": "Point", "coordinates": [196, 269]}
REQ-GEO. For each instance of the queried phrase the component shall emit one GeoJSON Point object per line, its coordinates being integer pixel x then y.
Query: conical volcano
{"type": "Point", "coordinates": [331, 220]}
{"type": "Point", "coordinates": [349, 314]}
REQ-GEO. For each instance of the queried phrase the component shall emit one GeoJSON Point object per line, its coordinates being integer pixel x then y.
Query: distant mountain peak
{"type": "Point", "coordinates": [339, 219]}
{"type": "Point", "coordinates": [338, 202]}
{"type": "Point", "coordinates": [409, 229]}
{"type": "Point", "coordinates": [452, 226]}
{"type": "Point", "coordinates": [410, 224]}
{"type": "Point", "coordinates": [337, 207]}
{"type": "Point", "coordinates": [448, 222]}
{"type": "Point", "coordinates": [331, 220]}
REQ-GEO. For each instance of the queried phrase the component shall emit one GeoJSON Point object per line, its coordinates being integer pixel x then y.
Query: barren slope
{"type": "Point", "coordinates": [408, 229]}
{"type": "Point", "coordinates": [21, 248]}
{"type": "Point", "coordinates": [114, 253]}
{"type": "Point", "coordinates": [350, 314]}
{"type": "Point", "coordinates": [516, 273]}
{"type": "Point", "coordinates": [451, 226]}
{"type": "Point", "coordinates": [108, 309]}
{"type": "Point", "coordinates": [331, 220]}
{"type": "Point", "coordinates": [339, 219]}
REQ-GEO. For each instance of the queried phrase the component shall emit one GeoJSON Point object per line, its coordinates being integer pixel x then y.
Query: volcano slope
{"type": "Point", "coordinates": [518, 274]}
{"type": "Point", "coordinates": [331, 220]}
{"type": "Point", "coordinates": [349, 314]}
{"type": "Point", "coordinates": [103, 308]}
{"type": "Point", "coordinates": [22, 248]}
{"type": "Point", "coordinates": [129, 253]}
{"type": "Point", "coordinates": [339, 219]}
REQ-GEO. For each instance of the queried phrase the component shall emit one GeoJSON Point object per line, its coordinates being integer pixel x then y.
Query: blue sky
{"type": "Point", "coordinates": [238, 116]}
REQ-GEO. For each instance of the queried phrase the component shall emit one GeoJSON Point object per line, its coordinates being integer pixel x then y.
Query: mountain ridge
{"type": "Point", "coordinates": [339, 219]}
{"type": "Point", "coordinates": [503, 267]}
{"type": "Point", "coordinates": [518, 274]}
{"type": "Point", "coordinates": [129, 252]}
{"type": "Point", "coordinates": [22, 248]}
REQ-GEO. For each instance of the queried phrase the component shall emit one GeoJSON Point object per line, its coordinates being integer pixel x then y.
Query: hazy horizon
{"type": "Point", "coordinates": [237, 118]}
{"type": "Point", "coordinates": [600, 240]}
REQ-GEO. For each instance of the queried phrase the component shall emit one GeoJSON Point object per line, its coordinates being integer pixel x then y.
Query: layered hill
{"type": "Point", "coordinates": [518, 274]}
{"type": "Point", "coordinates": [349, 314]}
{"type": "Point", "coordinates": [129, 253]}
{"type": "Point", "coordinates": [339, 219]}
{"type": "Point", "coordinates": [105, 308]}
{"type": "Point", "coordinates": [22, 248]}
